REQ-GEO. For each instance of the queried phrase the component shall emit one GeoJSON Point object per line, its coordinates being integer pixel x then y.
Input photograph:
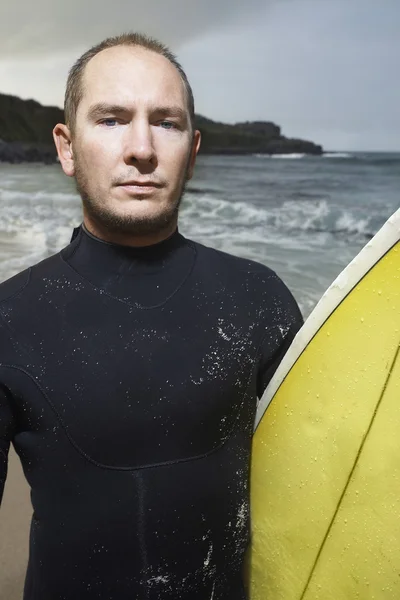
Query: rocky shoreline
{"type": "Point", "coordinates": [26, 135]}
{"type": "Point", "coordinates": [19, 152]}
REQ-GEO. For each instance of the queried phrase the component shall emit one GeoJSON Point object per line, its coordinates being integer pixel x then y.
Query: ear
{"type": "Point", "coordinates": [195, 148]}
{"type": "Point", "coordinates": [63, 142]}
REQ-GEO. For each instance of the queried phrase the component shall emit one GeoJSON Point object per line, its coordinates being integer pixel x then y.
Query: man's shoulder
{"type": "Point", "coordinates": [247, 280]}
{"type": "Point", "coordinates": [237, 268]}
{"type": "Point", "coordinates": [14, 285]}
{"type": "Point", "coordinates": [20, 283]}
{"type": "Point", "coordinates": [231, 261]}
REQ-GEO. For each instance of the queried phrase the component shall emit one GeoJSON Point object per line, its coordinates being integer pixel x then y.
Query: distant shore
{"type": "Point", "coordinates": [20, 152]}
{"type": "Point", "coordinates": [26, 134]}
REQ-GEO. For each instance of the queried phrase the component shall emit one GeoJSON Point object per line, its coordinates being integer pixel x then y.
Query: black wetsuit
{"type": "Point", "coordinates": [128, 387]}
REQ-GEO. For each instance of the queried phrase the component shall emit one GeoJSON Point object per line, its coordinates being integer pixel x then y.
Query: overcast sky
{"type": "Point", "coordinates": [325, 70]}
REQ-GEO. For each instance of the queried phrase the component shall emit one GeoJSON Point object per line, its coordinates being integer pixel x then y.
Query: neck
{"type": "Point", "coordinates": [128, 239]}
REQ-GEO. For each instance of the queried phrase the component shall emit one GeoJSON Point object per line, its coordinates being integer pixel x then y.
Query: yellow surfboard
{"type": "Point", "coordinates": [325, 474]}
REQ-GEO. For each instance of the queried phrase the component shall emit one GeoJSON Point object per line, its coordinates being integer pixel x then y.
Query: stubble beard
{"type": "Point", "coordinates": [143, 225]}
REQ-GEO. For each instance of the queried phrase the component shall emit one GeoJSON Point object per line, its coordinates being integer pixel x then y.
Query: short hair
{"type": "Point", "coordinates": [74, 88]}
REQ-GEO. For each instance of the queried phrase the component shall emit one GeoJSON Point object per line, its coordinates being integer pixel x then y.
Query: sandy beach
{"type": "Point", "coordinates": [15, 516]}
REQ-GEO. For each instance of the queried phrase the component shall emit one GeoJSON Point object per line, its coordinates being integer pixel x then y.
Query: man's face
{"type": "Point", "coordinates": [132, 128]}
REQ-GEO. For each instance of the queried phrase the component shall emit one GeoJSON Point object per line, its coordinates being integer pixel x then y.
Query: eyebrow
{"type": "Point", "coordinates": [102, 108]}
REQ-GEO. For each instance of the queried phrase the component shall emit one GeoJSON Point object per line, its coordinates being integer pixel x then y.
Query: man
{"type": "Point", "coordinates": [131, 361]}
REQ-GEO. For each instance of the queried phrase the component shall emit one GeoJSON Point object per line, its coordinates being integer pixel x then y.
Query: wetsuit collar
{"type": "Point", "coordinates": [158, 249]}
{"type": "Point", "coordinates": [145, 275]}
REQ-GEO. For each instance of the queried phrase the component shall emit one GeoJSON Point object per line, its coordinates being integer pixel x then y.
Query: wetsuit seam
{"type": "Point", "coordinates": [262, 340]}
{"type": "Point", "coordinates": [13, 295]}
{"type": "Point", "coordinates": [137, 306]}
{"type": "Point", "coordinates": [259, 351]}
{"type": "Point", "coordinates": [140, 467]}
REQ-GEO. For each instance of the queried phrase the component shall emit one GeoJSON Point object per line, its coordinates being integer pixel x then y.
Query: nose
{"type": "Point", "coordinates": [138, 143]}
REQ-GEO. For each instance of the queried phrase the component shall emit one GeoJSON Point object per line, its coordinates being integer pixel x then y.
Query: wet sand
{"type": "Point", "coordinates": [15, 516]}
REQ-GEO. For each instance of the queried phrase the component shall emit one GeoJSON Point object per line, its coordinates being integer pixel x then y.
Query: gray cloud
{"type": "Point", "coordinates": [37, 28]}
{"type": "Point", "coordinates": [326, 70]}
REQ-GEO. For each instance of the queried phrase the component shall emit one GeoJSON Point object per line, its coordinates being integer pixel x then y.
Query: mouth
{"type": "Point", "coordinates": [138, 183]}
{"type": "Point", "coordinates": [139, 187]}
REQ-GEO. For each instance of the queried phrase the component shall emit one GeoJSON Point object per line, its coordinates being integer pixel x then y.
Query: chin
{"type": "Point", "coordinates": [133, 216]}
{"type": "Point", "coordinates": [139, 222]}
{"type": "Point", "coordinates": [141, 211]}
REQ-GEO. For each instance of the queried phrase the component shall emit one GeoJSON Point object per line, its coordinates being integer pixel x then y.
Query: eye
{"type": "Point", "coordinates": [107, 121]}
{"type": "Point", "coordinates": [170, 125]}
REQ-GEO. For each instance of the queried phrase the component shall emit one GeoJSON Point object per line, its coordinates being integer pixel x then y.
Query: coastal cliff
{"type": "Point", "coordinates": [26, 126]}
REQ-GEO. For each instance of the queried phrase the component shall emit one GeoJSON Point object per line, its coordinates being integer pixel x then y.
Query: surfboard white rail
{"type": "Point", "coordinates": [374, 250]}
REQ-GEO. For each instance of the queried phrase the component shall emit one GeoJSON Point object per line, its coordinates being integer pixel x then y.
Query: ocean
{"type": "Point", "coordinates": [305, 217]}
